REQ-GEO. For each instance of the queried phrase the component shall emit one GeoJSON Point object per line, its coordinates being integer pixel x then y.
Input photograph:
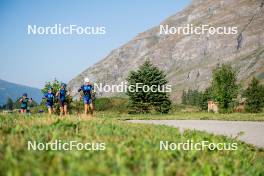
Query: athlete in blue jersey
{"type": "Point", "coordinates": [50, 97]}
{"type": "Point", "coordinates": [61, 94]}
{"type": "Point", "coordinates": [24, 103]}
{"type": "Point", "coordinates": [87, 90]}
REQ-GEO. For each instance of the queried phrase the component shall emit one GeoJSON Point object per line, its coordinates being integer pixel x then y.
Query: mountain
{"type": "Point", "coordinates": [8, 89]}
{"type": "Point", "coordinates": [188, 60]}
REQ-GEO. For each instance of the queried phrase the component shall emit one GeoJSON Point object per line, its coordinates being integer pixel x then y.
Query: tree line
{"type": "Point", "coordinates": [225, 90]}
{"type": "Point", "coordinates": [11, 105]}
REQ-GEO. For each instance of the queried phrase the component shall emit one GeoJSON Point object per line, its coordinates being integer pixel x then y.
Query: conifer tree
{"type": "Point", "coordinates": [9, 104]}
{"type": "Point", "coordinates": [183, 98]}
{"type": "Point", "coordinates": [254, 96]}
{"type": "Point", "coordinates": [145, 101]}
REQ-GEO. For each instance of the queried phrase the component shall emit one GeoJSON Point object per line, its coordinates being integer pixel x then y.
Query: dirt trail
{"type": "Point", "coordinates": [252, 132]}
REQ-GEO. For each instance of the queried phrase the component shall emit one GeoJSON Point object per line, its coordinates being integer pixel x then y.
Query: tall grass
{"type": "Point", "coordinates": [131, 149]}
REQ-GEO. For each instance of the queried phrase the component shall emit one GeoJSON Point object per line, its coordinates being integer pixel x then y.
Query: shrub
{"type": "Point", "coordinates": [114, 104]}
{"type": "Point", "coordinates": [103, 104]}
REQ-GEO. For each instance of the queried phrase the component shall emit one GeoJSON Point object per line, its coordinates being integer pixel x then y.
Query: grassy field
{"type": "Point", "coordinates": [117, 108]}
{"type": "Point", "coordinates": [131, 149]}
{"type": "Point", "coordinates": [185, 116]}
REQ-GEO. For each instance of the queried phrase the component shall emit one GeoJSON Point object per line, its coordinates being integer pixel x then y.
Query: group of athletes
{"type": "Point", "coordinates": [86, 91]}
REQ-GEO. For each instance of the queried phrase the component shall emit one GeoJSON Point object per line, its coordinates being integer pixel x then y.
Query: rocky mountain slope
{"type": "Point", "coordinates": [14, 91]}
{"type": "Point", "coordinates": [188, 60]}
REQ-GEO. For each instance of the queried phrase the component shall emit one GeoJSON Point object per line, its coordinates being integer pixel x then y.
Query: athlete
{"type": "Point", "coordinates": [61, 94]}
{"type": "Point", "coordinates": [50, 97]}
{"type": "Point", "coordinates": [24, 103]}
{"type": "Point", "coordinates": [30, 105]}
{"type": "Point", "coordinates": [87, 90]}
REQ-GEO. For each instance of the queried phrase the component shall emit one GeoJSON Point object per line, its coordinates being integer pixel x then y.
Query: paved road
{"type": "Point", "coordinates": [253, 132]}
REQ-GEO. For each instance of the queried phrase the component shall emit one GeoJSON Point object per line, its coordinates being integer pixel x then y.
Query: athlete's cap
{"type": "Point", "coordinates": [86, 80]}
{"type": "Point", "coordinates": [63, 85]}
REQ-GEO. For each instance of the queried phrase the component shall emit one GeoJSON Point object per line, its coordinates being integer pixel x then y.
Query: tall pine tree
{"type": "Point", "coordinates": [145, 101]}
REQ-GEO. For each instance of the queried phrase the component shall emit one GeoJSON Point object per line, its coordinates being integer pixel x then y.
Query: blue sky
{"type": "Point", "coordinates": [33, 59]}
